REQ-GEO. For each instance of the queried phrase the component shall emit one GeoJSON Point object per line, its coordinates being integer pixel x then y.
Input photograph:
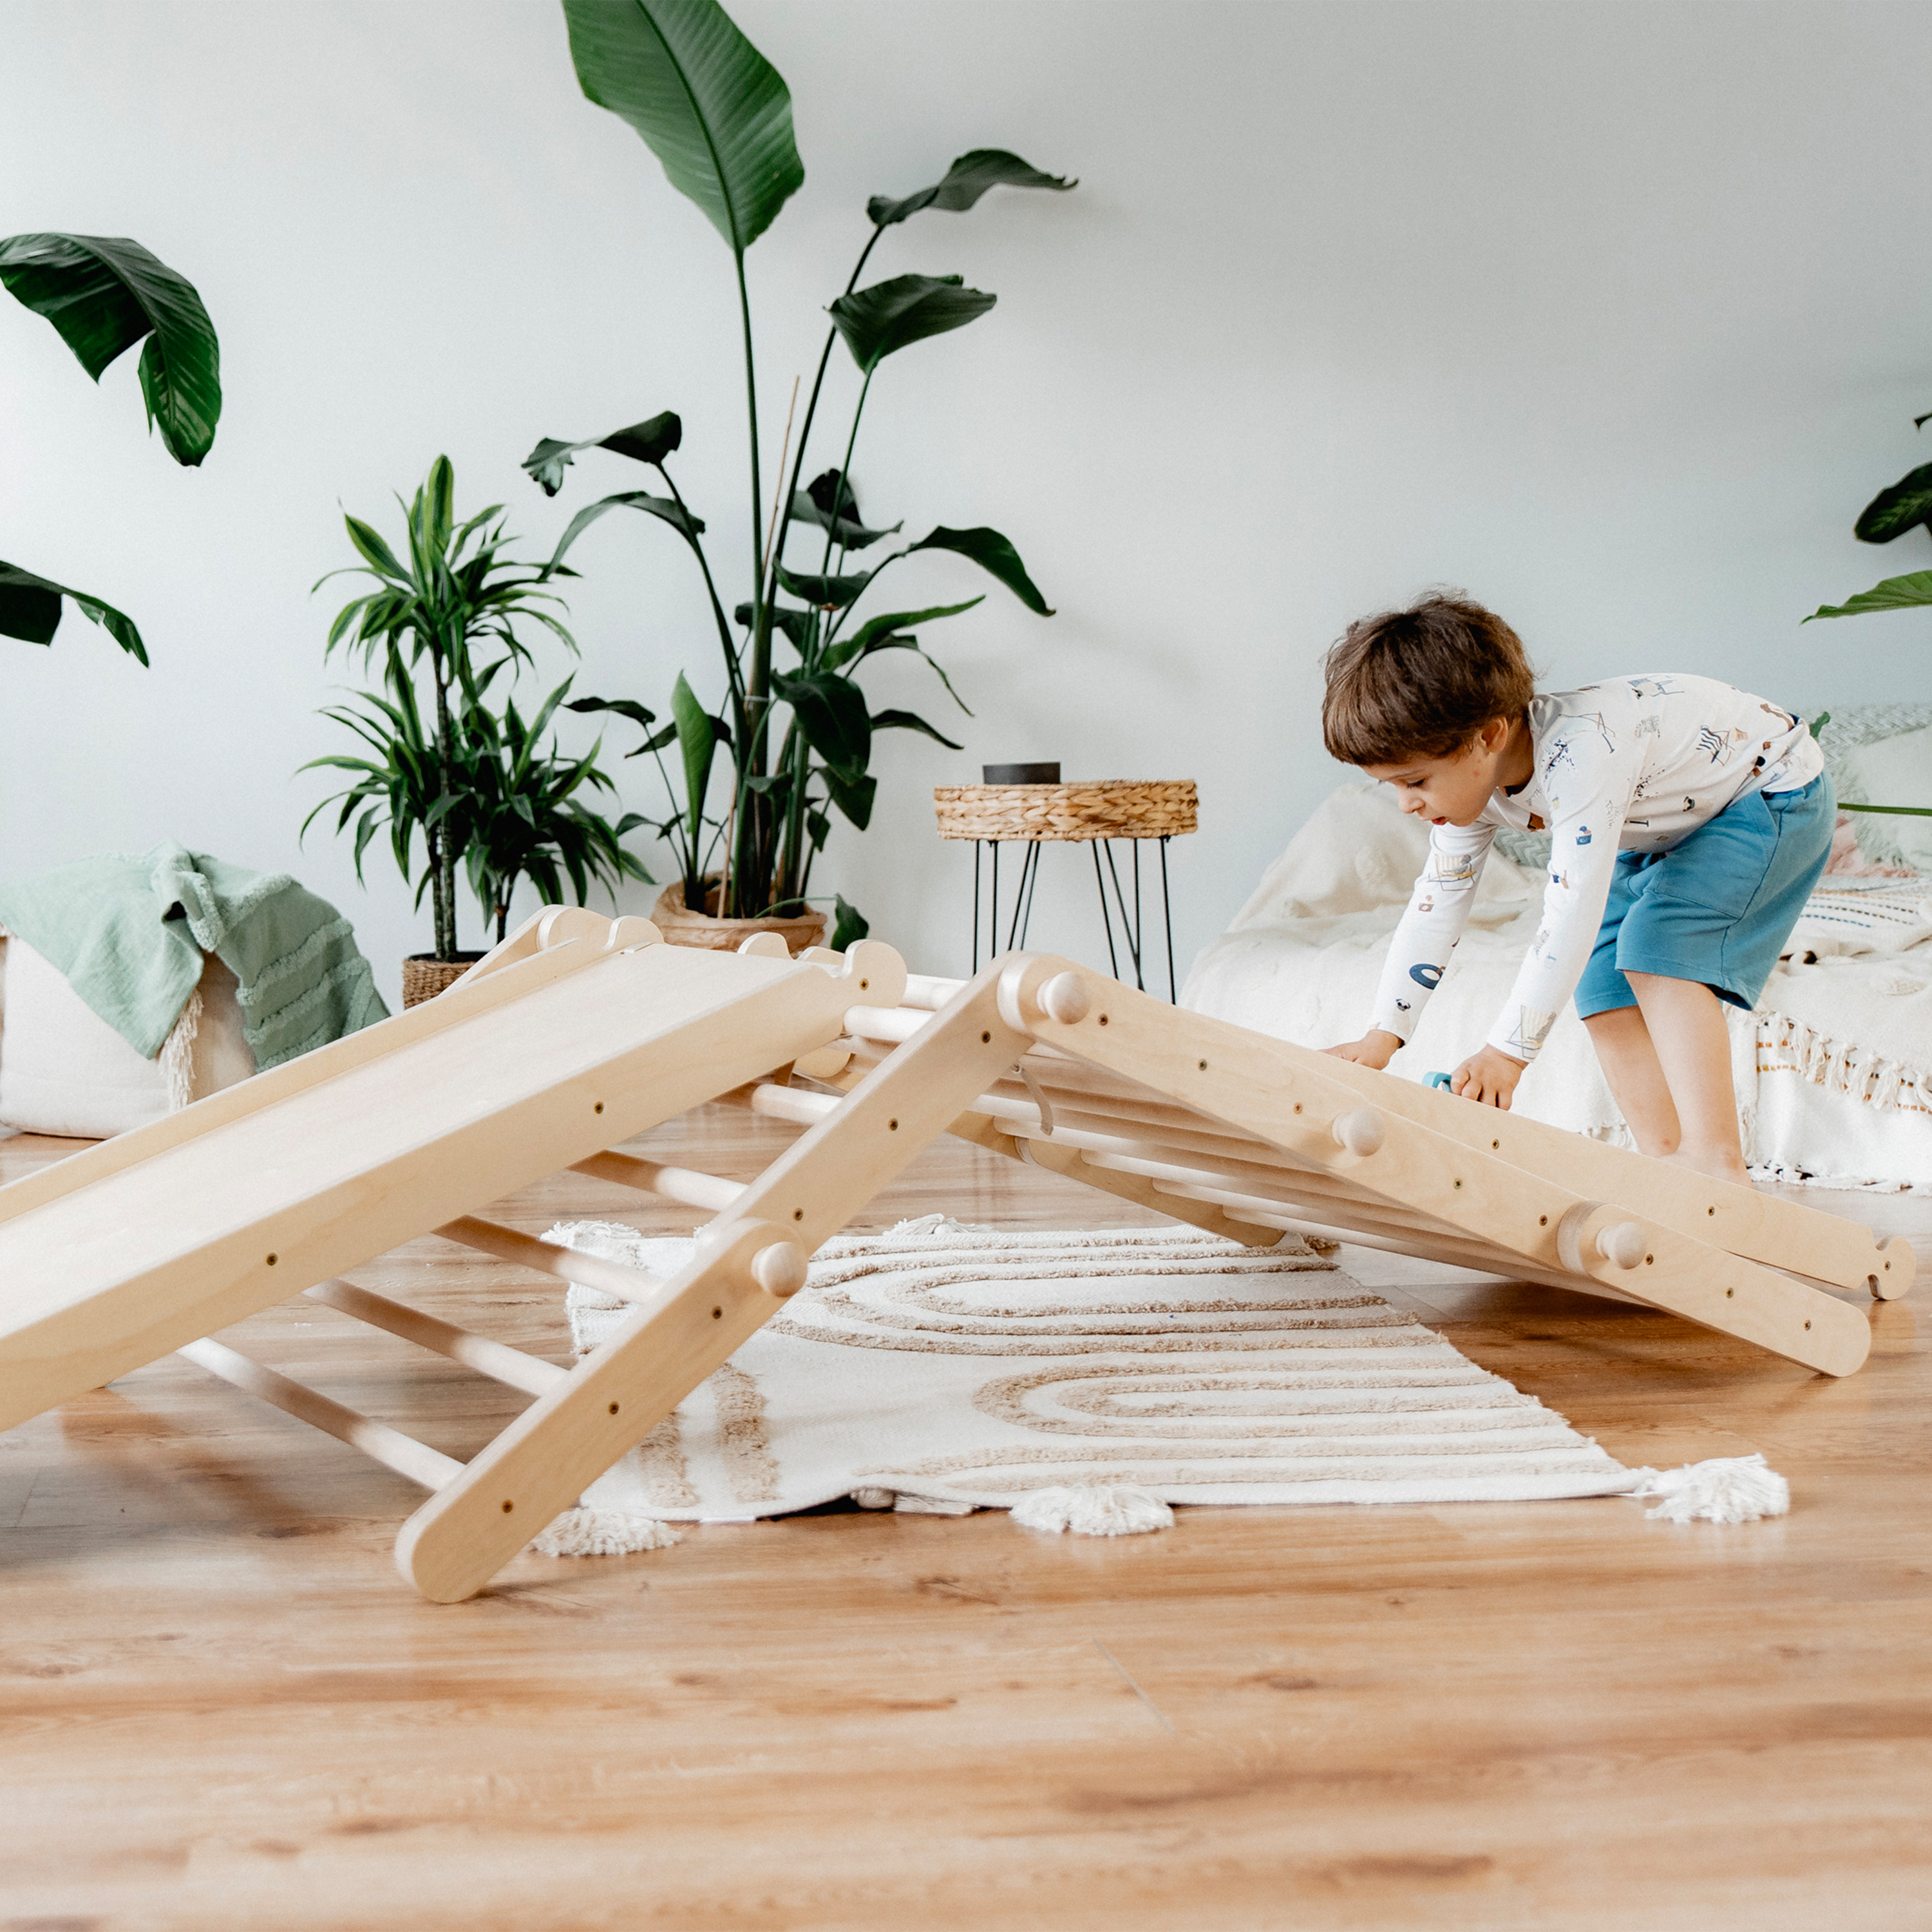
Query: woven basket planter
{"type": "Point", "coordinates": [681, 926]}
{"type": "Point", "coordinates": [425, 975]}
{"type": "Point", "coordinates": [1104, 809]}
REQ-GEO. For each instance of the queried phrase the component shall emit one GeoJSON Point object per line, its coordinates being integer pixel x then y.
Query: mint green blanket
{"type": "Point", "coordinates": [129, 931]}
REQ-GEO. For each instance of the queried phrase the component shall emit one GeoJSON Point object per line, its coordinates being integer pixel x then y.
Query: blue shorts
{"type": "Point", "coordinates": [1718, 908]}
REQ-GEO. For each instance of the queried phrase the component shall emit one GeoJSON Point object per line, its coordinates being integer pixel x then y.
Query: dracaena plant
{"type": "Point", "coordinates": [529, 816]}
{"type": "Point", "coordinates": [793, 717]}
{"type": "Point", "coordinates": [103, 294]}
{"type": "Point", "coordinates": [454, 597]}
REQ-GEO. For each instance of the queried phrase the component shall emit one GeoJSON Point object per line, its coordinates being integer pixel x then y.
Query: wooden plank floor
{"type": "Point", "coordinates": [221, 1708]}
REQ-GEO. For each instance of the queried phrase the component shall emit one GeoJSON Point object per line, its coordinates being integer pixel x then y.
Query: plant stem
{"type": "Point", "coordinates": [751, 754]}
{"type": "Point", "coordinates": [812, 407]}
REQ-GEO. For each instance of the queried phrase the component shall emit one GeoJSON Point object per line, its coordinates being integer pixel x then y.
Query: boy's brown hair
{"type": "Point", "coordinates": [1421, 683]}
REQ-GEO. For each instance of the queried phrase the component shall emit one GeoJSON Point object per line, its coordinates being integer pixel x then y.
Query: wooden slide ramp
{"type": "Point", "coordinates": [579, 1032]}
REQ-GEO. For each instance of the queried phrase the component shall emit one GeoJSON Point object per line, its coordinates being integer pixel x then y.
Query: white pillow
{"type": "Point", "coordinates": [65, 1070]}
{"type": "Point", "coordinates": [1894, 771]}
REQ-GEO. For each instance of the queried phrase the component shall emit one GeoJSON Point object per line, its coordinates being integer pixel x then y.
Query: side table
{"type": "Point", "coordinates": [1095, 813]}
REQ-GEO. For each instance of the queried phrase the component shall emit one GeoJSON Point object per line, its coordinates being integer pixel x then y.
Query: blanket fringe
{"type": "Point", "coordinates": [1725, 1489]}
{"type": "Point", "coordinates": [1868, 1077]}
{"type": "Point", "coordinates": [603, 1532]}
{"type": "Point", "coordinates": [1094, 1509]}
{"type": "Point", "coordinates": [177, 1053]}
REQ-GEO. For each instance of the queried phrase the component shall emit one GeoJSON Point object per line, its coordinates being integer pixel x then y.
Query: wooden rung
{"type": "Point", "coordinates": [497, 1360]}
{"type": "Point", "coordinates": [507, 1244]}
{"type": "Point", "coordinates": [674, 1184]}
{"type": "Point", "coordinates": [789, 1103]}
{"type": "Point", "coordinates": [896, 1024]}
{"type": "Point", "coordinates": [390, 1446]}
{"type": "Point", "coordinates": [925, 992]}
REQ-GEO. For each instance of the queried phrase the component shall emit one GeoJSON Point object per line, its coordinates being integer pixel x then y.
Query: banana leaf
{"type": "Point", "coordinates": [105, 293]}
{"type": "Point", "coordinates": [1895, 593]}
{"type": "Point", "coordinates": [648, 442]}
{"type": "Point", "coordinates": [30, 610]}
{"type": "Point", "coordinates": [890, 316]}
{"type": "Point", "coordinates": [1905, 506]}
{"type": "Point", "coordinates": [705, 101]}
{"type": "Point", "coordinates": [962, 185]}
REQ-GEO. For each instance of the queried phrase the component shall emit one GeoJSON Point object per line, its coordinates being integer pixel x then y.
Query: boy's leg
{"type": "Point", "coordinates": [1684, 1023]}
{"type": "Point", "coordinates": [1628, 1057]}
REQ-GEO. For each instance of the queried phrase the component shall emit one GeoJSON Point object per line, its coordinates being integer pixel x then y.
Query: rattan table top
{"type": "Point", "coordinates": [1094, 808]}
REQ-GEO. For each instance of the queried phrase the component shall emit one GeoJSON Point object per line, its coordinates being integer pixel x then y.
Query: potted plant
{"type": "Point", "coordinates": [458, 598]}
{"type": "Point", "coordinates": [797, 735]}
{"type": "Point", "coordinates": [527, 817]}
{"type": "Point", "coordinates": [103, 294]}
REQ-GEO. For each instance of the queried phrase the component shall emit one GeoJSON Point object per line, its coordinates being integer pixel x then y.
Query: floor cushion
{"type": "Point", "coordinates": [65, 1070]}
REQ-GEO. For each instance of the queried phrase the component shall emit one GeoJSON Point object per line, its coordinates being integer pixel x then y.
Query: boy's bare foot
{"type": "Point", "coordinates": [1719, 1163]}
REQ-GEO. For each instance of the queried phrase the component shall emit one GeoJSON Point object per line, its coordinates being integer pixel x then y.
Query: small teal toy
{"type": "Point", "coordinates": [1440, 1080]}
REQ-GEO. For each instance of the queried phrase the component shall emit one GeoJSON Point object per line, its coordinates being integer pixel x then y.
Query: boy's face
{"type": "Point", "coordinates": [1450, 790]}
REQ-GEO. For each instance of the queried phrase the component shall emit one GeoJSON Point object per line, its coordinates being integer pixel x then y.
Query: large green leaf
{"type": "Point", "coordinates": [965, 182]}
{"type": "Point", "coordinates": [639, 715]}
{"type": "Point", "coordinates": [893, 315]}
{"type": "Point", "coordinates": [698, 739]}
{"type": "Point", "coordinates": [799, 626]}
{"type": "Point", "coordinates": [872, 634]}
{"type": "Point", "coordinates": [815, 505]}
{"type": "Point", "coordinates": [991, 552]}
{"type": "Point", "coordinates": [1907, 505]}
{"type": "Point", "coordinates": [852, 925]}
{"type": "Point", "coordinates": [688, 526]}
{"type": "Point", "coordinates": [1895, 593]}
{"type": "Point", "coordinates": [30, 610]}
{"type": "Point", "coordinates": [833, 714]}
{"type": "Point", "coordinates": [826, 593]}
{"type": "Point", "coordinates": [911, 721]}
{"type": "Point", "coordinates": [707, 104]}
{"type": "Point", "coordinates": [648, 442]}
{"type": "Point", "coordinates": [104, 293]}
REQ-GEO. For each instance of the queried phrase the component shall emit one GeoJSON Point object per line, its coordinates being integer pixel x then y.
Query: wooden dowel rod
{"type": "Point", "coordinates": [390, 1446]}
{"type": "Point", "coordinates": [629, 1284]}
{"type": "Point", "coordinates": [790, 1103]}
{"type": "Point", "coordinates": [497, 1360]}
{"type": "Point", "coordinates": [896, 1024]}
{"type": "Point", "coordinates": [674, 1184]}
{"type": "Point", "coordinates": [924, 990]}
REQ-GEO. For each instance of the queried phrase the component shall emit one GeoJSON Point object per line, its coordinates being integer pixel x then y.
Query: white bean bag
{"type": "Point", "coordinates": [1833, 1073]}
{"type": "Point", "coordinates": [64, 1070]}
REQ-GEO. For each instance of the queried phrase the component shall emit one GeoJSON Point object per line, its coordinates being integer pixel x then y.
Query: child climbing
{"type": "Point", "coordinates": [1688, 822]}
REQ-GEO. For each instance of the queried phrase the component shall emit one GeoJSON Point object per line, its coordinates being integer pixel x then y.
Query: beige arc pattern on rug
{"type": "Point", "coordinates": [971, 1366]}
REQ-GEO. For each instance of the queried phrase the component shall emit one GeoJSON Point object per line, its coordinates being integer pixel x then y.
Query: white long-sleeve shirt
{"type": "Point", "coordinates": [1634, 764]}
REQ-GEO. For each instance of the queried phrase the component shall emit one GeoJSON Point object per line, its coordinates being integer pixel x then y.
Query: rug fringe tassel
{"type": "Point", "coordinates": [603, 1532]}
{"type": "Point", "coordinates": [1726, 1488]}
{"type": "Point", "coordinates": [1094, 1509]}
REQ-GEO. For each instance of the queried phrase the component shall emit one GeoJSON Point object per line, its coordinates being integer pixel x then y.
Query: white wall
{"type": "Point", "coordinates": [1615, 314]}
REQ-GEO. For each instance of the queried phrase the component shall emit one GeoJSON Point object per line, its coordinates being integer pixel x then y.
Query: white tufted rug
{"type": "Point", "coordinates": [955, 1367]}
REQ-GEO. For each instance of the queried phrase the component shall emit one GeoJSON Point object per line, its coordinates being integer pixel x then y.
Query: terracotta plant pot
{"type": "Point", "coordinates": [681, 926]}
{"type": "Point", "coordinates": [425, 975]}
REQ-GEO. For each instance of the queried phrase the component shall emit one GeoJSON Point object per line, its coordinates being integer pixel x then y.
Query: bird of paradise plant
{"type": "Point", "coordinates": [718, 116]}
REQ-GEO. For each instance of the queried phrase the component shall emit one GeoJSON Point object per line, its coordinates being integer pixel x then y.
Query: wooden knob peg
{"type": "Point", "coordinates": [1622, 1245]}
{"type": "Point", "coordinates": [779, 1270]}
{"type": "Point", "coordinates": [1063, 998]}
{"type": "Point", "coordinates": [1361, 1131]}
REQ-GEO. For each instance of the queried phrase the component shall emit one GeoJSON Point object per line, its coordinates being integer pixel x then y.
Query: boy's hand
{"type": "Point", "coordinates": [1374, 1049]}
{"type": "Point", "coordinates": [1488, 1076]}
